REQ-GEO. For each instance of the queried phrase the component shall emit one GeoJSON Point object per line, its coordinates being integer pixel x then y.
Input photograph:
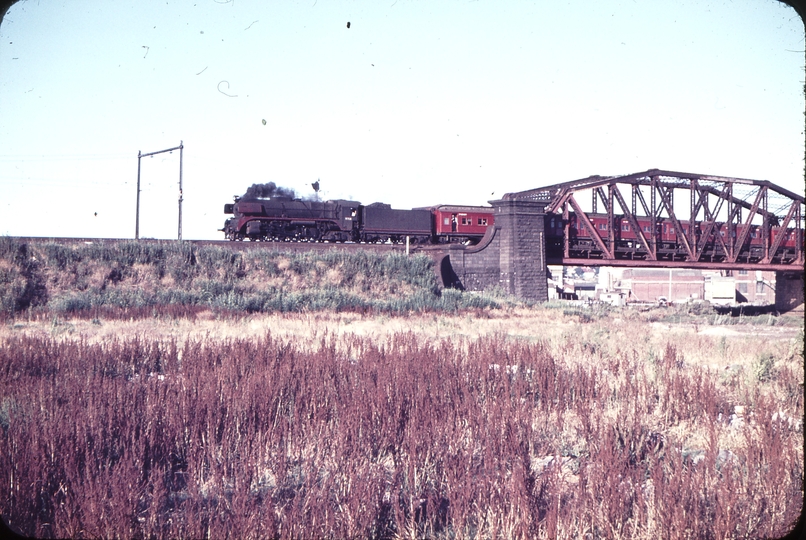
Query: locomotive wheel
{"type": "Point", "coordinates": [314, 234]}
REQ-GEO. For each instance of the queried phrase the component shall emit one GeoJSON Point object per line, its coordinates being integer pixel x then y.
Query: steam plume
{"type": "Point", "coordinates": [265, 191]}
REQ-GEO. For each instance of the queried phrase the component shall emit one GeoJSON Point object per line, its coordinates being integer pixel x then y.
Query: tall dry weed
{"type": "Point", "coordinates": [399, 437]}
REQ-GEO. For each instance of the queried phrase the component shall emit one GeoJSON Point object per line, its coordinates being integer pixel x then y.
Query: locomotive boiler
{"type": "Point", "coordinates": [282, 218]}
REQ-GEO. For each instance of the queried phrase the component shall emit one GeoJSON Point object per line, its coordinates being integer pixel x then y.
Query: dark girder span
{"type": "Point", "coordinates": [633, 221]}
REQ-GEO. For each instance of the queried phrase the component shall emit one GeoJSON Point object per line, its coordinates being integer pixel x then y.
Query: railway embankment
{"type": "Point", "coordinates": [62, 278]}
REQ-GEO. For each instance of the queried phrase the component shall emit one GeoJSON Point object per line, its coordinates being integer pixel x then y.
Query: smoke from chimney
{"type": "Point", "coordinates": [269, 190]}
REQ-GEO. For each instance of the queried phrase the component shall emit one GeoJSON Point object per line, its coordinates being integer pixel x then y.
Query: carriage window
{"type": "Point", "coordinates": [647, 228]}
{"type": "Point", "coordinates": [466, 221]}
{"type": "Point", "coordinates": [603, 226]}
{"type": "Point", "coordinates": [447, 221]}
{"type": "Point", "coordinates": [482, 221]}
{"type": "Point", "coordinates": [625, 227]}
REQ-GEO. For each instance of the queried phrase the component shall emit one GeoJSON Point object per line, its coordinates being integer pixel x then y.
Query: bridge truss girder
{"type": "Point", "coordinates": [731, 223]}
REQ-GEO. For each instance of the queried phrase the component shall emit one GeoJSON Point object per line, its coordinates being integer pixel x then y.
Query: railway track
{"type": "Point", "coordinates": [277, 246]}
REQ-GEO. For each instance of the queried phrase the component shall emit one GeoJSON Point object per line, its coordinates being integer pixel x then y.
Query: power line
{"type": "Point", "coordinates": [9, 158]}
{"type": "Point", "coordinates": [66, 183]}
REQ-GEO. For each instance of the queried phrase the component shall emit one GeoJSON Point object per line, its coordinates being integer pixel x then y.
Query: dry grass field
{"type": "Point", "coordinates": [558, 421]}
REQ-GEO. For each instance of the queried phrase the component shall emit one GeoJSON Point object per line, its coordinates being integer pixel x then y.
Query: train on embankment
{"type": "Point", "coordinates": [284, 218]}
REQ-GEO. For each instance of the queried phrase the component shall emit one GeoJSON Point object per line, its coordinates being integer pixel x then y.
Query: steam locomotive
{"type": "Point", "coordinates": [285, 218]}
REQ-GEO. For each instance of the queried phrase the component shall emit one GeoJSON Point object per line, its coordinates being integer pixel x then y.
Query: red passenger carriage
{"type": "Point", "coordinates": [460, 223]}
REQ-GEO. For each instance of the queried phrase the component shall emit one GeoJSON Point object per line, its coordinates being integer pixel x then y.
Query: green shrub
{"type": "Point", "coordinates": [60, 256]}
{"type": "Point", "coordinates": [764, 367]}
{"type": "Point", "coordinates": [8, 409]}
{"type": "Point", "coordinates": [21, 284]}
{"type": "Point", "coordinates": [68, 304]}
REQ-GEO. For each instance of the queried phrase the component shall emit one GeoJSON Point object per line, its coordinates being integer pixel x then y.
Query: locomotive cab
{"type": "Point", "coordinates": [348, 216]}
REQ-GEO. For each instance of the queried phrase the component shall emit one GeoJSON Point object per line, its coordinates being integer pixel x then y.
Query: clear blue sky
{"type": "Point", "coordinates": [417, 103]}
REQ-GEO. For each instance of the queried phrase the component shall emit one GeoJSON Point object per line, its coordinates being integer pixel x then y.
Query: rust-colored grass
{"type": "Point", "coordinates": [513, 423]}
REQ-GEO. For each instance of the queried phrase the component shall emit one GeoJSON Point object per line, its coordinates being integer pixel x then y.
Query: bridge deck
{"type": "Point", "coordinates": [638, 220]}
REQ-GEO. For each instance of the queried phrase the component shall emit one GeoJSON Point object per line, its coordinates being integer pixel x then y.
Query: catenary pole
{"type": "Point", "coordinates": [140, 155]}
{"type": "Point", "coordinates": [181, 146]}
{"type": "Point", "coordinates": [137, 216]}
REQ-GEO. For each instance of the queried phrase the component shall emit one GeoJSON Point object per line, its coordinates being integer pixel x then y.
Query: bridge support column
{"type": "Point", "coordinates": [789, 291]}
{"type": "Point", "coordinates": [522, 248]}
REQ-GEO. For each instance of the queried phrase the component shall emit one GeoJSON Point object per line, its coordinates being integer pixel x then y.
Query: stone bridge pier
{"type": "Point", "coordinates": [789, 291]}
{"type": "Point", "coordinates": [511, 256]}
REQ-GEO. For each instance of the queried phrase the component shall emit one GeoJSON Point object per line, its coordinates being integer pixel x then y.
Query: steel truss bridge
{"type": "Point", "coordinates": [662, 218]}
